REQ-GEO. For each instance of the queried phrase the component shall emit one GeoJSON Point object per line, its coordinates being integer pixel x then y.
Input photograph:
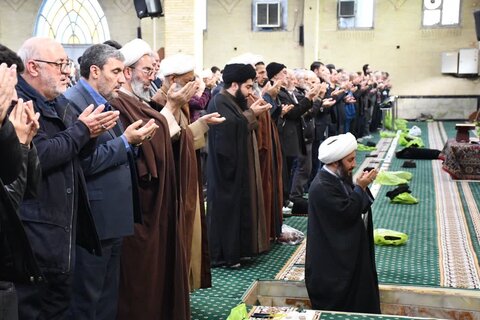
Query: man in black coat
{"type": "Point", "coordinates": [232, 214]}
{"type": "Point", "coordinates": [340, 272]}
{"type": "Point", "coordinates": [112, 193]}
{"type": "Point", "coordinates": [290, 127]}
{"type": "Point", "coordinates": [60, 216]}
{"type": "Point", "coordinates": [17, 262]}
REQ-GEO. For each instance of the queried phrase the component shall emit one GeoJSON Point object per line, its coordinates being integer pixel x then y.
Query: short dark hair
{"type": "Point", "coordinates": [215, 69]}
{"type": "Point", "coordinates": [260, 63]}
{"type": "Point", "coordinates": [97, 55]}
{"type": "Point", "coordinates": [364, 68]}
{"type": "Point", "coordinates": [315, 65]}
{"type": "Point", "coordinates": [330, 67]}
{"type": "Point", "coordinates": [9, 57]}
{"type": "Point", "coordinates": [113, 43]}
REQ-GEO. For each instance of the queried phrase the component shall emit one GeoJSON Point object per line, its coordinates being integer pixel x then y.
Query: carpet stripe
{"type": "Point", "coordinates": [472, 208]}
{"type": "Point", "coordinates": [458, 263]}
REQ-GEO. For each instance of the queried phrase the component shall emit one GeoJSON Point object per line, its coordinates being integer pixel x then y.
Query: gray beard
{"type": "Point", "coordinates": [139, 91]}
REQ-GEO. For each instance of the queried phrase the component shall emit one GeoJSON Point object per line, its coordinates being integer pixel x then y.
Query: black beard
{"type": "Point", "coordinates": [346, 176]}
{"type": "Point", "coordinates": [261, 85]}
{"type": "Point", "coordinates": [241, 99]}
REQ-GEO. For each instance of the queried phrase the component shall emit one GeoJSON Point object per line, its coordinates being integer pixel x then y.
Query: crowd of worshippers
{"type": "Point", "coordinates": [102, 212]}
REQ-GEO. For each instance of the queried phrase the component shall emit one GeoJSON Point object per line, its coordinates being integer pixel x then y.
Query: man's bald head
{"type": "Point", "coordinates": [47, 66]}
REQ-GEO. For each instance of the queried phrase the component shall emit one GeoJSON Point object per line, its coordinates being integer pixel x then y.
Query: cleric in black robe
{"type": "Point", "coordinates": [340, 270]}
{"type": "Point", "coordinates": [235, 217]}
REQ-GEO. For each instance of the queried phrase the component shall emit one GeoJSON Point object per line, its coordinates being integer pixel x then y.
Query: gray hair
{"type": "Point", "coordinates": [299, 73]}
{"type": "Point", "coordinates": [97, 55]}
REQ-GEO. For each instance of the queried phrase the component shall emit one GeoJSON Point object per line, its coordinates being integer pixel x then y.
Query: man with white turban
{"type": "Point", "coordinates": [178, 72]}
{"type": "Point", "coordinates": [340, 271]}
{"type": "Point", "coordinates": [154, 270]}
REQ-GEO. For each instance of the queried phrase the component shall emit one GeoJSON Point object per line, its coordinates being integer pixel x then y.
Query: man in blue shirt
{"type": "Point", "coordinates": [111, 185]}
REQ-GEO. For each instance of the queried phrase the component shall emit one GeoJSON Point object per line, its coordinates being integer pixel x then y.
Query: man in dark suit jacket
{"type": "Point", "coordinates": [111, 190]}
{"type": "Point", "coordinates": [290, 128]}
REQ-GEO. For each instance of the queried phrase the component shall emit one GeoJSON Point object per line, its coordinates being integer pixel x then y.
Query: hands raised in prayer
{"type": "Point", "coordinates": [97, 121]}
{"type": "Point", "coordinates": [8, 79]}
{"type": "Point", "coordinates": [136, 134]}
{"type": "Point", "coordinates": [25, 121]}
{"type": "Point", "coordinates": [177, 96]}
{"type": "Point", "coordinates": [328, 102]}
{"type": "Point", "coordinates": [272, 89]}
{"type": "Point", "coordinates": [212, 118]}
{"type": "Point", "coordinates": [260, 106]}
{"type": "Point", "coordinates": [285, 109]}
{"type": "Point", "coordinates": [366, 178]}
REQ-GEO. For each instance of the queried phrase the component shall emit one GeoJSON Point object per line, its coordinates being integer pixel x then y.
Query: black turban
{"type": "Point", "coordinates": [238, 72]}
{"type": "Point", "coordinates": [273, 69]}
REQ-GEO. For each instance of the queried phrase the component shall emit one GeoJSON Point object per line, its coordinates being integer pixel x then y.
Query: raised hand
{"type": "Point", "coordinates": [328, 102]}
{"type": "Point", "coordinates": [8, 79]}
{"type": "Point", "coordinates": [366, 178]}
{"type": "Point", "coordinates": [212, 118]}
{"type": "Point", "coordinates": [97, 121]}
{"type": "Point", "coordinates": [260, 106]}
{"type": "Point", "coordinates": [136, 133]}
{"type": "Point", "coordinates": [314, 91]}
{"type": "Point", "coordinates": [178, 96]}
{"type": "Point", "coordinates": [25, 121]}
{"type": "Point", "coordinates": [285, 109]}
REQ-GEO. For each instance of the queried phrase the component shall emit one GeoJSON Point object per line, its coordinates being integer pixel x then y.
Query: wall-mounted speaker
{"type": "Point", "coordinates": [154, 8]}
{"type": "Point", "coordinates": [148, 8]}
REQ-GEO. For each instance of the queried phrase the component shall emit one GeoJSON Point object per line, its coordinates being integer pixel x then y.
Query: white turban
{"type": "Point", "coordinates": [177, 64]}
{"type": "Point", "coordinates": [134, 50]}
{"type": "Point", "coordinates": [337, 147]}
{"type": "Point", "coordinates": [247, 58]}
{"type": "Point", "coordinates": [206, 73]}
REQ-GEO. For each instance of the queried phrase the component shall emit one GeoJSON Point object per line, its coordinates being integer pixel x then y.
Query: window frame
{"type": "Point", "coordinates": [354, 18]}
{"type": "Point", "coordinates": [65, 20]}
{"type": "Point", "coordinates": [440, 25]}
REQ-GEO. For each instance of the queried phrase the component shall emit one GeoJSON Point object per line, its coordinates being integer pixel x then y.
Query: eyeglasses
{"type": "Point", "coordinates": [146, 71]}
{"type": "Point", "coordinates": [63, 66]}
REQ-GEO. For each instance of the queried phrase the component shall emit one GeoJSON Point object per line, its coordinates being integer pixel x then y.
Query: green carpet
{"type": "Point", "coordinates": [418, 259]}
{"type": "Point", "coordinates": [230, 284]}
{"type": "Point", "coordinates": [416, 263]}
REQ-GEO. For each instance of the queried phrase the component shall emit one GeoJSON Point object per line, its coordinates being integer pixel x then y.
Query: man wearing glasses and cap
{"type": "Point", "coordinates": [60, 217]}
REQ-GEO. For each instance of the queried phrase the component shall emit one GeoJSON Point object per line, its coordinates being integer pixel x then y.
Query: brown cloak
{"type": "Point", "coordinates": [192, 209]}
{"type": "Point", "coordinates": [270, 156]}
{"type": "Point", "coordinates": [154, 270]}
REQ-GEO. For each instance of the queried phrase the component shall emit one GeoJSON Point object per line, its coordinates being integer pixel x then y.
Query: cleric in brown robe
{"type": "Point", "coordinates": [178, 73]}
{"type": "Point", "coordinates": [270, 154]}
{"type": "Point", "coordinates": [340, 271]}
{"type": "Point", "coordinates": [154, 272]}
{"type": "Point", "coordinates": [235, 209]}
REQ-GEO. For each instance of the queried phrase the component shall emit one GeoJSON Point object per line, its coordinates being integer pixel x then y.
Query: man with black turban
{"type": "Point", "coordinates": [235, 217]}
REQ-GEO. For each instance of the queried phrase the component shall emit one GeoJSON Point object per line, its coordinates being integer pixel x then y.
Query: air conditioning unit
{"type": "Point", "coordinates": [268, 14]}
{"type": "Point", "coordinates": [346, 9]}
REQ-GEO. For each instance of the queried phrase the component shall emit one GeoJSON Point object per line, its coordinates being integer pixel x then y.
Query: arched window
{"type": "Point", "coordinates": [72, 22]}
